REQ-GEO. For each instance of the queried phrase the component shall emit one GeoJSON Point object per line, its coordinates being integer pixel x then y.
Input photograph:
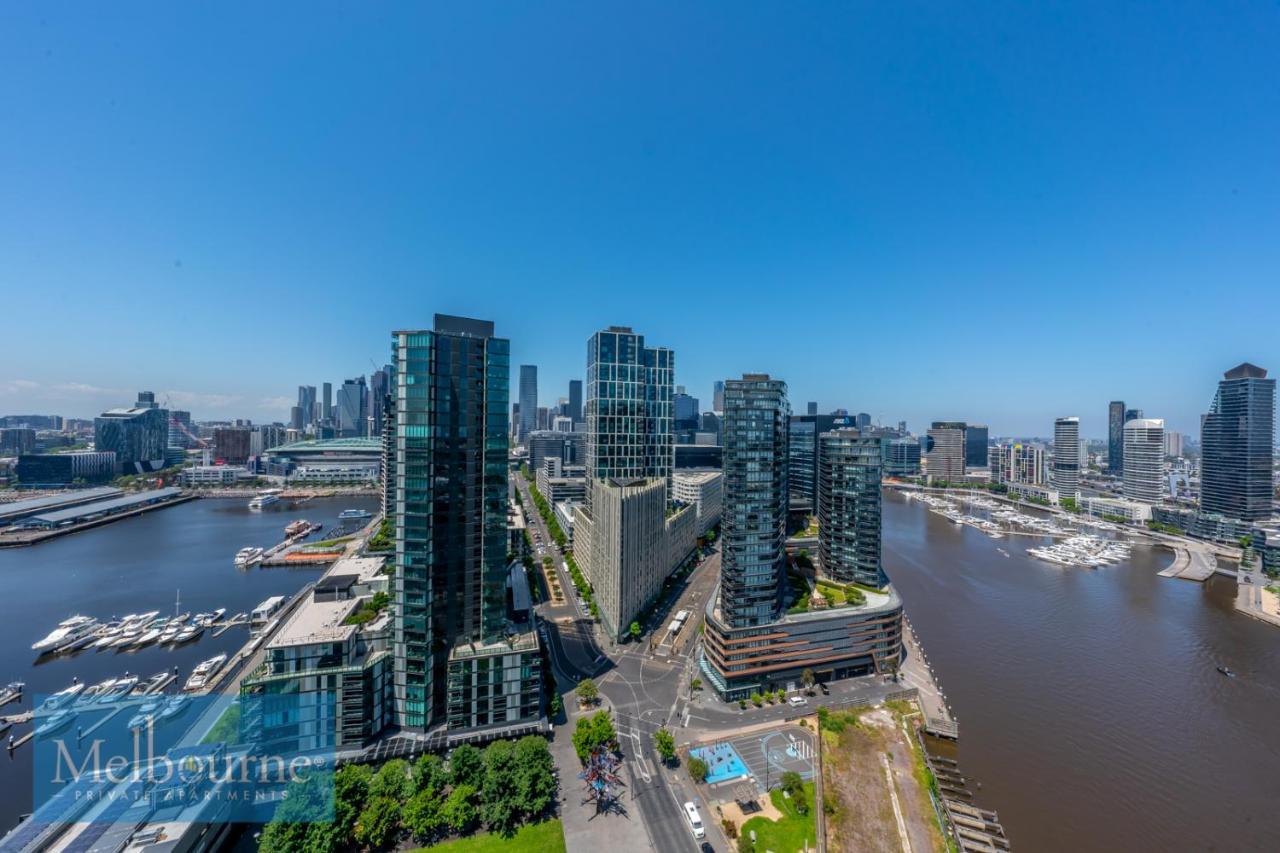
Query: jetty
{"type": "Point", "coordinates": [972, 828]}
{"type": "Point", "coordinates": [916, 672]}
{"type": "Point", "coordinates": [1191, 563]}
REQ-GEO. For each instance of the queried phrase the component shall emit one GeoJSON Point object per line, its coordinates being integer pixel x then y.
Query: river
{"type": "Point", "coordinates": [1089, 703]}
{"type": "Point", "coordinates": [132, 566]}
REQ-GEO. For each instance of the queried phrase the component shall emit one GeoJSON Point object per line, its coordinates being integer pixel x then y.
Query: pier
{"type": "Point", "coordinates": [1191, 563]}
{"type": "Point", "coordinates": [972, 828]}
{"type": "Point", "coordinates": [916, 672]}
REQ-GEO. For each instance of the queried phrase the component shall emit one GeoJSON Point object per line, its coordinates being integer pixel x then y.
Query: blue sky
{"type": "Point", "coordinates": [998, 212]}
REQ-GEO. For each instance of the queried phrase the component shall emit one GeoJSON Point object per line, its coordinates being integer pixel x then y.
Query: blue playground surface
{"type": "Point", "coordinates": [723, 762]}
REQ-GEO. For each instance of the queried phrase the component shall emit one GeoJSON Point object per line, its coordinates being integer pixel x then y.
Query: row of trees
{"type": "Point", "coordinates": [502, 787]}
{"type": "Point", "coordinates": [548, 516]}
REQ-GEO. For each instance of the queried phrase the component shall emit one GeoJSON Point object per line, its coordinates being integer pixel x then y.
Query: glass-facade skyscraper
{"type": "Point", "coordinates": [1066, 456]}
{"type": "Point", "coordinates": [753, 522]}
{"type": "Point", "coordinates": [975, 446]}
{"type": "Point", "coordinates": [1115, 436]}
{"type": "Point", "coordinates": [849, 467]}
{"type": "Point", "coordinates": [528, 400]}
{"type": "Point", "coordinates": [1237, 445]}
{"type": "Point", "coordinates": [451, 399]}
{"type": "Point", "coordinates": [630, 419]}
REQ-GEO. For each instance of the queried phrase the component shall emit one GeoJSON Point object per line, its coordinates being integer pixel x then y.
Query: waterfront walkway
{"type": "Point", "coordinates": [1191, 563]}
{"type": "Point", "coordinates": [916, 672]}
{"type": "Point", "coordinates": [1252, 598]}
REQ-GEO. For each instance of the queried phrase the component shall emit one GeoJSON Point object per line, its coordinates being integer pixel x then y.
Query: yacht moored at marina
{"type": "Point", "coordinates": [59, 720]}
{"type": "Point", "coordinates": [204, 672]}
{"type": "Point", "coordinates": [247, 556]}
{"type": "Point", "coordinates": [68, 631]}
{"type": "Point", "coordinates": [354, 515]}
{"type": "Point", "coordinates": [63, 697]}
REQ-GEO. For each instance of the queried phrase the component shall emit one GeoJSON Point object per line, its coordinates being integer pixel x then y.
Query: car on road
{"type": "Point", "coordinates": [706, 848]}
{"type": "Point", "coordinates": [823, 688]}
{"type": "Point", "coordinates": [797, 701]}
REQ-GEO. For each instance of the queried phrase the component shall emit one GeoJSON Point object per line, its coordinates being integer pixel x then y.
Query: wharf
{"type": "Point", "coordinates": [916, 672]}
{"type": "Point", "coordinates": [973, 828]}
{"type": "Point", "coordinates": [18, 539]}
{"type": "Point", "coordinates": [1191, 564]}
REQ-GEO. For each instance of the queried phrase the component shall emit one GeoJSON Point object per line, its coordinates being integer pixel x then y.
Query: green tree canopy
{"type": "Point", "coordinates": [379, 824]}
{"type": "Point", "coordinates": [459, 810]}
{"type": "Point", "coordinates": [500, 810]}
{"type": "Point", "coordinates": [587, 691]}
{"type": "Point", "coordinates": [665, 743]}
{"type": "Point", "coordinates": [429, 774]}
{"type": "Point", "coordinates": [465, 767]}
{"type": "Point", "coordinates": [424, 815]}
{"type": "Point", "coordinates": [697, 769]}
{"type": "Point", "coordinates": [391, 780]}
{"type": "Point", "coordinates": [591, 733]}
{"type": "Point", "coordinates": [535, 776]}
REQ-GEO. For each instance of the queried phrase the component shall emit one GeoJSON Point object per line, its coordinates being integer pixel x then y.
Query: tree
{"type": "Point", "coordinates": [586, 691]}
{"type": "Point", "coordinates": [459, 810]}
{"type": "Point", "coordinates": [535, 776]}
{"type": "Point", "coordinates": [695, 684]}
{"type": "Point", "coordinates": [391, 781]}
{"type": "Point", "coordinates": [430, 775]}
{"type": "Point", "coordinates": [350, 791]}
{"type": "Point", "coordinates": [756, 699]}
{"type": "Point", "coordinates": [591, 733]}
{"type": "Point", "coordinates": [634, 631]}
{"type": "Point", "coordinates": [424, 814]}
{"type": "Point", "coordinates": [500, 810]}
{"type": "Point", "coordinates": [379, 823]}
{"type": "Point", "coordinates": [665, 743]}
{"type": "Point", "coordinates": [465, 767]}
{"type": "Point", "coordinates": [808, 679]}
{"type": "Point", "coordinates": [697, 769]}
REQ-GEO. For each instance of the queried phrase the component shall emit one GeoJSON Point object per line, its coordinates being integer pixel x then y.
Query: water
{"type": "Point", "coordinates": [1088, 700]}
{"type": "Point", "coordinates": [133, 566]}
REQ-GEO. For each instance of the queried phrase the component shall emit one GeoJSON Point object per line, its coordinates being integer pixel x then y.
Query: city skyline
{"type": "Point", "coordinates": [902, 171]}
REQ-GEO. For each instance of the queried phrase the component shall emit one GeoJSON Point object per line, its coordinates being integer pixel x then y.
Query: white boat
{"type": "Point", "coordinates": [60, 719]}
{"type": "Point", "coordinates": [174, 706]}
{"type": "Point", "coordinates": [59, 699]}
{"type": "Point", "coordinates": [264, 500]}
{"type": "Point", "coordinates": [354, 514]}
{"type": "Point", "coordinates": [93, 693]}
{"type": "Point", "coordinates": [247, 556]}
{"type": "Point", "coordinates": [189, 633]}
{"type": "Point", "coordinates": [217, 614]}
{"type": "Point", "coordinates": [118, 689]}
{"type": "Point", "coordinates": [67, 632]}
{"type": "Point", "coordinates": [205, 671]}
{"type": "Point", "coordinates": [147, 712]}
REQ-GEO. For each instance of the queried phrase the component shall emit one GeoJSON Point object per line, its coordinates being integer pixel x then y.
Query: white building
{"type": "Point", "coordinates": [214, 475]}
{"type": "Point", "coordinates": [1018, 463]}
{"type": "Point", "coordinates": [703, 490]}
{"type": "Point", "coordinates": [1144, 460]}
{"type": "Point", "coordinates": [944, 459]}
{"type": "Point", "coordinates": [1132, 511]}
{"type": "Point", "coordinates": [1030, 490]}
{"type": "Point", "coordinates": [1174, 443]}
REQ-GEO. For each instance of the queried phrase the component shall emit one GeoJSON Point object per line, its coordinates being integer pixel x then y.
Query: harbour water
{"type": "Point", "coordinates": [1089, 703]}
{"type": "Point", "coordinates": [132, 566]}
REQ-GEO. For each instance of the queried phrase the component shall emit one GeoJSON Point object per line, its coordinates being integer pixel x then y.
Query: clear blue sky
{"type": "Point", "coordinates": [999, 212]}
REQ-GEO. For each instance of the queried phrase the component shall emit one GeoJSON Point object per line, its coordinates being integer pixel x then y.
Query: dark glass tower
{"type": "Point", "coordinates": [528, 400]}
{"type": "Point", "coordinates": [754, 519]}
{"type": "Point", "coordinates": [1236, 444]}
{"type": "Point", "coordinates": [975, 446]}
{"type": "Point", "coordinates": [1115, 436]}
{"type": "Point", "coordinates": [849, 508]}
{"type": "Point", "coordinates": [451, 403]}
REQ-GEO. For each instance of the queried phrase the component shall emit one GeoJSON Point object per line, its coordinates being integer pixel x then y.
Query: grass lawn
{"type": "Point", "coordinates": [545, 837]}
{"type": "Point", "coordinates": [789, 834]}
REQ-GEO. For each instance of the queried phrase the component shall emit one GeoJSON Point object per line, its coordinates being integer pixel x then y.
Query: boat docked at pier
{"type": "Point", "coordinates": [69, 631]}
{"type": "Point", "coordinates": [298, 528]}
{"type": "Point", "coordinates": [247, 556]}
{"type": "Point", "coordinates": [262, 500]}
{"type": "Point", "coordinates": [1089, 551]}
{"type": "Point", "coordinates": [204, 673]}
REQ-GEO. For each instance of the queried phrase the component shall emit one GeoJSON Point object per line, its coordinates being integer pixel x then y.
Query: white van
{"type": "Point", "coordinates": [695, 820]}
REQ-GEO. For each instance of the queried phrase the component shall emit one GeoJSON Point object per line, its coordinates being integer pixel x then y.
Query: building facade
{"type": "Point", "coordinates": [849, 508]}
{"type": "Point", "coordinates": [451, 639]}
{"type": "Point", "coordinates": [802, 457]}
{"type": "Point", "coordinates": [1018, 463]}
{"type": "Point", "coordinates": [946, 453]}
{"type": "Point", "coordinates": [1144, 460]}
{"type": "Point", "coordinates": [901, 457]}
{"type": "Point", "coordinates": [1066, 457]}
{"type": "Point", "coordinates": [1237, 439]}
{"type": "Point", "coordinates": [975, 445]}
{"type": "Point", "coordinates": [138, 436]}
{"type": "Point", "coordinates": [528, 401]}
{"type": "Point", "coordinates": [61, 469]}
{"type": "Point", "coordinates": [353, 403]}
{"type": "Point", "coordinates": [1115, 436]}
{"type": "Point", "coordinates": [704, 491]}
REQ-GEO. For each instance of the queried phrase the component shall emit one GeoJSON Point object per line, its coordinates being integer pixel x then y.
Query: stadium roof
{"type": "Point", "coordinates": [320, 445]}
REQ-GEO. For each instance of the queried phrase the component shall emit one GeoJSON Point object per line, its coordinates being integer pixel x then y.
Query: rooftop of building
{"type": "Point", "coordinates": [525, 641]}
{"type": "Point", "coordinates": [322, 445]}
{"type": "Point", "coordinates": [51, 501]}
{"type": "Point", "coordinates": [885, 600]}
{"type": "Point", "coordinates": [696, 477]}
{"type": "Point", "coordinates": [1245, 370]}
{"type": "Point", "coordinates": [1145, 423]}
{"type": "Point", "coordinates": [112, 505]}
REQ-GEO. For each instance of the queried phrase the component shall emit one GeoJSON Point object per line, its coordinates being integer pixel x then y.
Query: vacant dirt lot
{"type": "Point", "coordinates": [857, 748]}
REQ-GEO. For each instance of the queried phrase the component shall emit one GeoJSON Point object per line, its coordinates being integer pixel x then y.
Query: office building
{"type": "Point", "coordinates": [575, 401]}
{"type": "Point", "coordinates": [353, 403]}
{"type": "Point", "coordinates": [975, 445]}
{"type": "Point", "coordinates": [1132, 414]}
{"type": "Point", "coordinates": [710, 423]}
{"type": "Point", "coordinates": [560, 483]}
{"type": "Point", "coordinates": [138, 436]}
{"type": "Point", "coordinates": [1066, 457]}
{"type": "Point", "coordinates": [945, 456]}
{"type": "Point", "coordinates": [307, 405]}
{"type": "Point", "coordinates": [567, 446]}
{"type": "Point", "coordinates": [717, 396]}
{"type": "Point", "coordinates": [296, 421]}
{"type": "Point", "coordinates": [231, 445]}
{"type": "Point", "coordinates": [63, 469]}
{"type": "Point", "coordinates": [901, 457]}
{"type": "Point", "coordinates": [17, 440]}
{"type": "Point", "coordinates": [811, 408]}
{"type": "Point", "coordinates": [180, 429]}
{"type": "Point", "coordinates": [704, 491]}
{"type": "Point", "coordinates": [528, 401]}
{"type": "Point", "coordinates": [686, 415]}
{"type": "Point", "coordinates": [849, 467]}
{"type": "Point", "coordinates": [802, 457]}
{"type": "Point", "coordinates": [326, 403]}
{"type": "Point", "coordinates": [698, 456]}
{"type": "Point", "coordinates": [459, 663]}
{"type": "Point", "coordinates": [862, 420]}
{"type": "Point", "coordinates": [1237, 446]}
{"type": "Point", "coordinates": [1174, 444]}
{"type": "Point", "coordinates": [379, 389]}
{"type": "Point", "coordinates": [1144, 460]}
{"type": "Point", "coordinates": [1115, 437]}
{"type": "Point", "coordinates": [629, 407]}
{"type": "Point", "coordinates": [760, 632]}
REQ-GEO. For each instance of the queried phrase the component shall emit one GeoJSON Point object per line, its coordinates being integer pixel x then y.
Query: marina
{"type": "Point", "coordinates": [133, 568]}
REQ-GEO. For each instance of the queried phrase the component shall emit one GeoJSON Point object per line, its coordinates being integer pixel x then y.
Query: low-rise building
{"type": "Point", "coordinates": [214, 475]}
{"type": "Point", "coordinates": [60, 469]}
{"type": "Point", "coordinates": [1130, 511]}
{"type": "Point", "coordinates": [1034, 492]}
{"type": "Point", "coordinates": [704, 491]}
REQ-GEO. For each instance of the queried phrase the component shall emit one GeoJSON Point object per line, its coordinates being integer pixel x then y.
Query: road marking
{"type": "Point", "coordinates": [897, 809]}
